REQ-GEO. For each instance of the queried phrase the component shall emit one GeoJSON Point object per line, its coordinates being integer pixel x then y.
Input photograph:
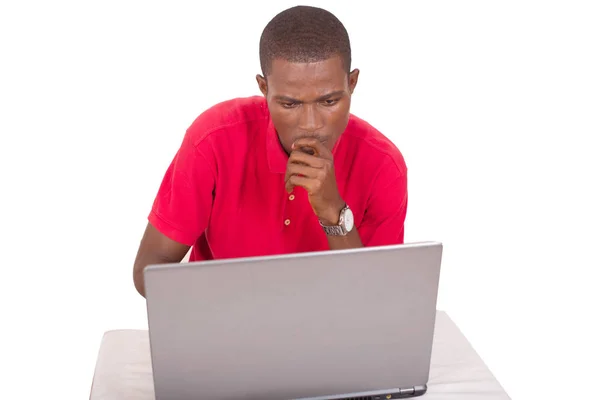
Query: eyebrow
{"type": "Point", "coordinates": [321, 98]}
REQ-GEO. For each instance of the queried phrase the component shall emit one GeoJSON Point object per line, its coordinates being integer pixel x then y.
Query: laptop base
{"type": "Point", "coordinates": [401, 394]}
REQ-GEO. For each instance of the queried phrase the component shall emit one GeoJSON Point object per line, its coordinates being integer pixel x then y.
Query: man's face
{"type": "Point", "coordinates": [309, 99]}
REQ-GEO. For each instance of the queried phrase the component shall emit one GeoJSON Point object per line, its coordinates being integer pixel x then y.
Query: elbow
{"type": "Point", "coordinates": [138, 281]}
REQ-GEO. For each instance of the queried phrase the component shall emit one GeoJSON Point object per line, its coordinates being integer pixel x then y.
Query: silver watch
{"type": "Point", "coordinates": [344, 226]}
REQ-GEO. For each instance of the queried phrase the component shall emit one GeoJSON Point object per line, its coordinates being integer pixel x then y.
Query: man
{"type": "Point", "coordinates": [289, 171]}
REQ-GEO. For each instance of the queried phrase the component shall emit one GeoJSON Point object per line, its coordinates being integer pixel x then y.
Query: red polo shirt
{"type": "Point", "coordinates": [224, 192]}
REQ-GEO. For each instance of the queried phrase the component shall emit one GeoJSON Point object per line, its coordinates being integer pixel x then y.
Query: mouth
{"type": "Point", "coordinates": [320, 138]}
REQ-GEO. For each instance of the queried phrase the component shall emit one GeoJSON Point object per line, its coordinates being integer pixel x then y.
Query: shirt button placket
{"type": "Point", "coordinates": [287, 221]}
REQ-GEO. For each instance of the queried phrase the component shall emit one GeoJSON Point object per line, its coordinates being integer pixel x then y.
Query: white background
{"type": "Point", "coordinates": [495, 106]}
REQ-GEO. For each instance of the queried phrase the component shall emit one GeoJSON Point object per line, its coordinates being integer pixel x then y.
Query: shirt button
{"type": "Point", "coordinates": [292, 197]}
{"type": "Point", "coordinates": [287, 222]}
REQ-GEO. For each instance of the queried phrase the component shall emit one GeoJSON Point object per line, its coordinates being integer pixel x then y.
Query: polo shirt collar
{"type": "Point", "coordinates": [276, 155]}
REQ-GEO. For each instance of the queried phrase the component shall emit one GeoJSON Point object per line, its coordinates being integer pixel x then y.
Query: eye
{"type": "Point", "coordinates": [330, 102]}
{"type": "Point", "coordinates": [288, 104]}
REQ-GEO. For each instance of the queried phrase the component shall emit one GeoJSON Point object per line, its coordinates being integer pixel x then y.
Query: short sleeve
{"type": "Point", "coordinates": [182, 207]}
{"type": "Point", "coordinates": [385, 214]}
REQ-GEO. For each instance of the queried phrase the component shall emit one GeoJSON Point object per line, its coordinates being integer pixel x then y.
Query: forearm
{"type": "Point", "coordinates": [155, 248]}
{"type": "Point", "coordinates": [138, 270]}
{"type": "Point", "coordinates": [350, 241]}
{"type": "Point", "coordinates": [138, 279]}
{"type": "Point", "coordinates": [143, 260]}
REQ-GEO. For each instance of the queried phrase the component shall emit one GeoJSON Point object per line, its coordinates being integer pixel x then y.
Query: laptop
{"type": "Point", "coordinates": [343, 324]}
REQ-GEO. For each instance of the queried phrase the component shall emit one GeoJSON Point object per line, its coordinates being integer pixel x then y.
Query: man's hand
{"type": "Point", "coordinates": [315, 173]}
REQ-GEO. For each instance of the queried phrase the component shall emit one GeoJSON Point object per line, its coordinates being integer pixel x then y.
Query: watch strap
{"type": "Point", "coordinates": [336, 230]}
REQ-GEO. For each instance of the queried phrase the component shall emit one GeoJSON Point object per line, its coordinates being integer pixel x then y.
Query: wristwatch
{"type": "Point", "coordinates": [344, 226]}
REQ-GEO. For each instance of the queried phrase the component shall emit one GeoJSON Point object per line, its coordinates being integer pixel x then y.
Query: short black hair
{"type": "Point", "coordinates": [304, 34]}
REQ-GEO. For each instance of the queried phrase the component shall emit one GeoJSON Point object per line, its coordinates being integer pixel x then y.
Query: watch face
{"type": "Point", "coordinates": [348, 220]}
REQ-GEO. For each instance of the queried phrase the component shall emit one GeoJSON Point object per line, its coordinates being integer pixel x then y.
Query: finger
{"type": "Point", "coordinates": [311, 185]}
{"type": "Point", "coordinates": [315, 144]}
{"type": "Point", "coordinates": [311, 146]}
{"type": "Point", "coordinates": [303, 170]}
{"type": "Point", "coordinates": [299, 157]}
{"type": "Point", "coordinates": [308, 150]}
{"type": "Point", "coordinates": [289, 186]}
{"type": "Point", "coordinates": [300, 170]}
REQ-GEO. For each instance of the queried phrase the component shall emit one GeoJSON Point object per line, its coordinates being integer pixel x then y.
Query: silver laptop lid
{"type": "Point", "coordinates": [295, 326]}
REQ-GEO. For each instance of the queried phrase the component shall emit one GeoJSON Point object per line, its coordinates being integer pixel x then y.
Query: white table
{"type": "Point", "coordinates": [123, 369]}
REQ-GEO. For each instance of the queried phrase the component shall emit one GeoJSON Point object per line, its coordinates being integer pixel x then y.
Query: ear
{"type": "Point", "coordinates": [353, 79]}
{"type": "Point", "coordinates": [262, 84]}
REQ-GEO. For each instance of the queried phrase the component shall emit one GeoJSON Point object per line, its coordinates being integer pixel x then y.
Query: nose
{"type": "Point", "coordinates": [310, 119]}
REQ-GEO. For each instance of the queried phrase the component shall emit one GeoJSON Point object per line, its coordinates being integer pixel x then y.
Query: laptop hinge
{"type": "Point", "coordinates": [414, 391]}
